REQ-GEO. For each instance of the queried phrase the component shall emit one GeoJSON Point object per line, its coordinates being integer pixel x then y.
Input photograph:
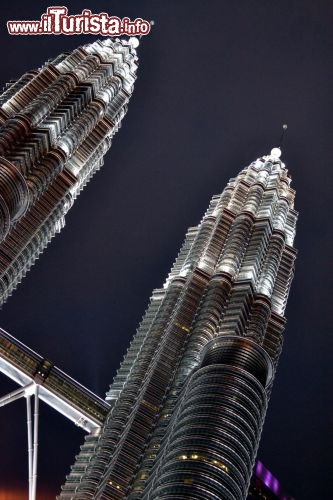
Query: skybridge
{"type": "Point", "coordinates": [38, 377]}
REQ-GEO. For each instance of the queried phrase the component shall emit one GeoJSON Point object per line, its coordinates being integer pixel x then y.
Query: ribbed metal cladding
{"type": "Point", "coordinates": [189, 399]}
{"type": "Point", "coordinates": [56, 124]}
{"type": "Point", "coordinates": [212, 441]}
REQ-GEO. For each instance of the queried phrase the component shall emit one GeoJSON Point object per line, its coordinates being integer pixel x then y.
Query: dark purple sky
{"type": "Point", "coordinates": [216, 81]}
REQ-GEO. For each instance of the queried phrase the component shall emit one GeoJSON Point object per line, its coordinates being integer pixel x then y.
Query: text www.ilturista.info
{"type": "Point", "coordinates": [56, 22]}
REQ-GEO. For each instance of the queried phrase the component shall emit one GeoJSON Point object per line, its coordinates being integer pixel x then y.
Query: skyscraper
{"type": "Point", "coordinates": [56, 124]}
{"type": "Point", "coordinates": [190, 397]}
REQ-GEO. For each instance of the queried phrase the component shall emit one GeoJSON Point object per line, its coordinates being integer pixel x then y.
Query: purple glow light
{"type": "Point", "coordinates": [258, 468]}
{"type": "Point", "coordinates": [269, 480]}
{"type": "Point", "coordinates": [275, 485]}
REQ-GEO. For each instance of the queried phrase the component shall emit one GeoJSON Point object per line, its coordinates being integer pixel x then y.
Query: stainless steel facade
{"type": "Point", "coordinates": [56, 124]}
{"type": "Point", "coordinates": [189, 399]}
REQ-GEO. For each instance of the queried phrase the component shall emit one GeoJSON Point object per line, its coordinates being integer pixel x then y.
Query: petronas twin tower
{"type": "Point", "coordinates": [188, 402]}
{"type": "Point", "coordinates": [56, 126]}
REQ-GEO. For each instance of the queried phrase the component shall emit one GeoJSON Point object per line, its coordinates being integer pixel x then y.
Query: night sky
{"type": "Point", "coordinates": [215, 84]}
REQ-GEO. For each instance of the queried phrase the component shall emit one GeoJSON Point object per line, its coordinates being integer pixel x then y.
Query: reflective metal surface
{"type": "Point", "coordinates": [56, 125]}
{"type": "Point", "coordinates": [189, 399]}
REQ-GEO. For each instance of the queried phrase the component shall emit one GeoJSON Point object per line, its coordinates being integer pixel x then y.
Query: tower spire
{"type": "Point", "coordinates": [276, 152]}
{"type": "Point", "coordinates": [284, 128]}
